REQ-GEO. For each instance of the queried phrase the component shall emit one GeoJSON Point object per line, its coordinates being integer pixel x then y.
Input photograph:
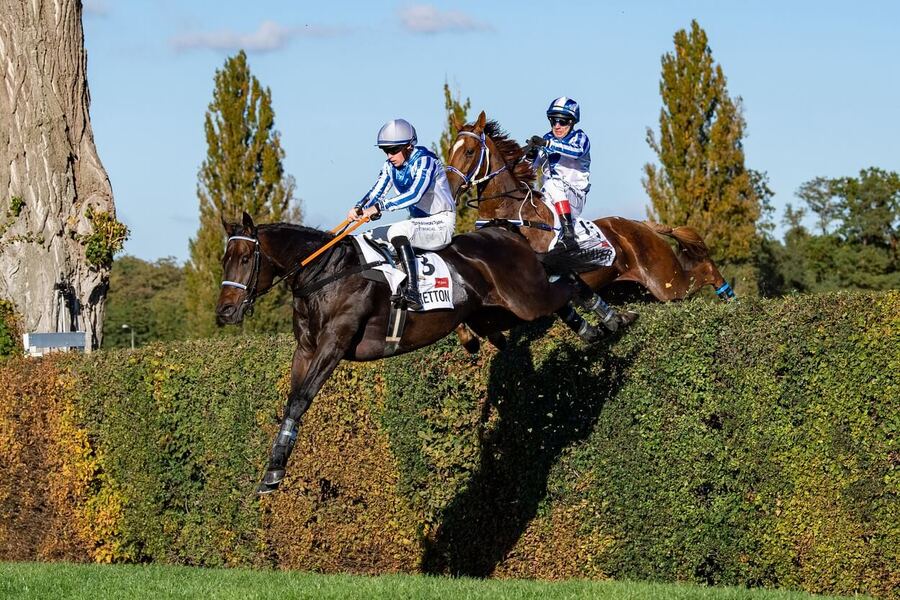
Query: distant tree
{"type": "Point", "coordinates": [457, 114]}
{"type": "Point", "coordinates": [148, 297]}
{"type": "Point", "coordinates": [858, 219]}
{"type": "Point", "coordinates": [242, 172]}
{"type": "Point", "coordinates": [702, 180]}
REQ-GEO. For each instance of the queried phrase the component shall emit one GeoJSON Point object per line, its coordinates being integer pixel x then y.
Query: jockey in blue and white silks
{"type": "Point", "coordinates": [421, 184]}
{"type": "Point", "coordinates": [563, 157]}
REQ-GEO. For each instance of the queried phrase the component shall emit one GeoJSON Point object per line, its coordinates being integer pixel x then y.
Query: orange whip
{"type": "Point", "coordinates": [336, 239]}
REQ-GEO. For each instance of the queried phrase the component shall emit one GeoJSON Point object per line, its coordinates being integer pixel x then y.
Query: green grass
{"type": "Point", "coordinates": [49, 581]}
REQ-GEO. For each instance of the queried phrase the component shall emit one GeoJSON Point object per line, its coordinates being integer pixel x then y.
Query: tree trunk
{"type": "Point", "coordinates": [49, 161]}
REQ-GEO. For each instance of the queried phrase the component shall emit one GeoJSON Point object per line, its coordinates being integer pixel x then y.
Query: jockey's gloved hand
{"type": "Point", "coordinates": [537, 140]}
{"type": "Point", "coordinates": [531, 151]}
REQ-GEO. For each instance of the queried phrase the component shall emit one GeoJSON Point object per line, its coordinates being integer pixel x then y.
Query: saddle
{"type": "Point", "coordinates": [382, 264]}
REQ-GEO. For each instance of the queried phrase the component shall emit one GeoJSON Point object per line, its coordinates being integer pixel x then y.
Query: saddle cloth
{"type": "Point", "coordinates": [591, 240]}
{"type": "Point", "coordinates": [435, 280]}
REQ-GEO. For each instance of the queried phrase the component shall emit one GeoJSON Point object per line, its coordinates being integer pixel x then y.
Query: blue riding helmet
{"type": "Point", "coordinates": [564, 107]}
{"type": "Point", "coordinates": [395, 133]}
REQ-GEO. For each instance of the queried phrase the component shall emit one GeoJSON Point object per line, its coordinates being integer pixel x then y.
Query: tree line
{"type": "Point", "coordinates": [701, 180]}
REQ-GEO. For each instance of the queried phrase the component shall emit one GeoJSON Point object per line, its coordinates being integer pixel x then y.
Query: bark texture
{"type": "Point", "coordinates": [50, 174]}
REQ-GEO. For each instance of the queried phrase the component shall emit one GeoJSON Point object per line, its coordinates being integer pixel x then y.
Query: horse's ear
{"type": "Point", "coordinates": [248, 223]}
{"type": "Point", "coordinates": [480, 123]}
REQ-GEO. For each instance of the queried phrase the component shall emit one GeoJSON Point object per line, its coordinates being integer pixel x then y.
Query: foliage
{"type": "Point", "coordinates": [857, 240]}
{"type": "Point", "coordinates": [702, 180]}
{"type": "Point", "coordinates": [457, 114]}
{"type": "Point", "coordinates": [10, 334]}
{"type": "Point", "coordinates": [106, 238]}
{"type": "Point", "coordinates": [148, 297]}
{"type": "Point", "coordinates": [749, 444]}
{"type": "Point", "coordinates": [16, 203]}
{"type": "Point", "coordinates": [242, 171]}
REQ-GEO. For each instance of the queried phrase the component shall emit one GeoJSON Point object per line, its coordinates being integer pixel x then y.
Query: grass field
{"type": "Point", "coordinates": [50, 581]}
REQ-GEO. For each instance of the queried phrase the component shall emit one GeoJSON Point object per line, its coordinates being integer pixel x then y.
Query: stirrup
{"type": "Point", "coordinates": [412, 300]}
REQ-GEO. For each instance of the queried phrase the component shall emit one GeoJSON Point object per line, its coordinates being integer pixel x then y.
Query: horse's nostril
{"type": "Point", "coordinates": [226, 310]}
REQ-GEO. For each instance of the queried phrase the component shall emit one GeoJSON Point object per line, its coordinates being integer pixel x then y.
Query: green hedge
{"type": "Point", "coordinates": [750, 444]}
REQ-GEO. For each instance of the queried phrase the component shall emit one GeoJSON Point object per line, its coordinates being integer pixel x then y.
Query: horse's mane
{"type": "Point", "coordinates": [509, 149]}
{"type": "Point", "coordinates": [310, 233]}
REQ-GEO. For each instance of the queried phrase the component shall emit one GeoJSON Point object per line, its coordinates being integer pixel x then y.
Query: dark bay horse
{"type": "Point", "coordinates": [484, 160]}
{"type": "Point", "coordinates": [501, 280]}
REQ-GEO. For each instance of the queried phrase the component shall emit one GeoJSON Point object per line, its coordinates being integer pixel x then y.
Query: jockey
{"type": "Point", "coordinates": [564, 156]}
{"type": "Point", "coordinates": [421, 184]}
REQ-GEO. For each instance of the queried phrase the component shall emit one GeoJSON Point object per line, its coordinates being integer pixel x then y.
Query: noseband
{"type": "Point", "coordinates": [250, 287]}
{"type": "Point", "coordinates": [484, 158]}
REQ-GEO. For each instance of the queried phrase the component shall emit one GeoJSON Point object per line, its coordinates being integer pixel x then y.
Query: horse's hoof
{"type": "Point", "coordinates": [627, 317]}
{"type": "Point", "coordinates": [273, 477]}
{"type": "Point", "coordinates": [264, 488]}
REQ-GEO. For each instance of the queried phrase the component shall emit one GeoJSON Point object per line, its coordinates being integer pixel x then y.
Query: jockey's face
{"type": "Point", "coordinates": [560, 127]}
{"type": "Point", "coordinates": [398, 154]}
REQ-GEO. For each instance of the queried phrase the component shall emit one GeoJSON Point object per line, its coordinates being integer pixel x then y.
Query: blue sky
{"type": "Point", "coordinates": [819, 83]}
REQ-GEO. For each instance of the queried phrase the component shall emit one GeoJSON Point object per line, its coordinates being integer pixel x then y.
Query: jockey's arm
{"type": "Point", "coordinates": [424, 172]}
{"type": "Point", "coordinates": [382, 185]}
{"type": "Point", "coordinates": [576, 147]}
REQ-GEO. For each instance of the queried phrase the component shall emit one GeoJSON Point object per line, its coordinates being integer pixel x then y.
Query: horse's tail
{"type": "Point", "coordinates": [687, 237]}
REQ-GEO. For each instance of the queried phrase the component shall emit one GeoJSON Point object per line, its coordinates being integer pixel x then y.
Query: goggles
{"type": "Point", "coordinates": [565, 122]}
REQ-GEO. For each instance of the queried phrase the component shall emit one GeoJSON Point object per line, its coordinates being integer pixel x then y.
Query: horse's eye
{"type": "Point", "coordinates": [470, 152]}
{"type": "Point", "coordinates": [245, 260]}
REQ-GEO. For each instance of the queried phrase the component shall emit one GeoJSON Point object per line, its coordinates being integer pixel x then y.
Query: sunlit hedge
{"type": "Point", "coordinates": [751, 443]}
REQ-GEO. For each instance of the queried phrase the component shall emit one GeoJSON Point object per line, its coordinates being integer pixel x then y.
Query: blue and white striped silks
{"type": "Point", "coordinates": [421, 184]}
{"type": "Point", "coordinates": [568, 159]}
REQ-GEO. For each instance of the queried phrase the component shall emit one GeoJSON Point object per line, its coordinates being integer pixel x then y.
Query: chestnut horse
{"type": "Point", "coordinates": [485, 161]}
{"type": "Point", "coordinates": [339, 314]}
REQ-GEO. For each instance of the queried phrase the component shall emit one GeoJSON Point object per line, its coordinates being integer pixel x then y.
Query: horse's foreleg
{"type": "Point", "coordinates": [309, 371]}
{"type": "Point", "coordinates": [467, 338]}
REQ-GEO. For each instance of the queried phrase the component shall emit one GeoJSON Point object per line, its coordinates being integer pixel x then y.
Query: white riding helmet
{"type": "Point", "coordinates": [395, 133]}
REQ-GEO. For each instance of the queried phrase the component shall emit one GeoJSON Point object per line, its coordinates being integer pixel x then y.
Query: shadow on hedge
{"type": "Point", "coordinates": [541, 412]}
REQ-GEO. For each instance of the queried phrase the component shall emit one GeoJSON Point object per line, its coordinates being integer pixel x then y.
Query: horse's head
{"type": "Point", "coordinates": [481, 152]}
{"type": "Point", "coordinates": [241, 272]}
{"type": "Point", "coordinates": [471, 156]}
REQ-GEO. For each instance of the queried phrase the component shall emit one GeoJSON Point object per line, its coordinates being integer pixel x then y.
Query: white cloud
{"type": "Point", "coordinates": [269, 37]}
{"type": "Point", "coordinates": [426, 18]}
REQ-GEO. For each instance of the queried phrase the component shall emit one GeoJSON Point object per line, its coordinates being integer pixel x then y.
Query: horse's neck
{"type": "Point", "coordinates": [286, 248]}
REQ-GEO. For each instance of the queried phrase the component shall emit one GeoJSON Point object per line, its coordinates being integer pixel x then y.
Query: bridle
{"type": "Point", "coordinates": [253, 280]}
{"type": "Point", "coordinates": [484, 160]}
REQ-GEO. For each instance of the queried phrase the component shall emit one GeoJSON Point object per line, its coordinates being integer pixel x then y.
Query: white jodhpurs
{"type": "Point", "coordinates": [555, 191]}
{"type": "Point", "coordinates": [428, 233]}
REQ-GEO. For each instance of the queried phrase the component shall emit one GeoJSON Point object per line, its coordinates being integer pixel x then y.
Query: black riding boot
{"type": "Point", "coordinates": [567, 243]}
{"type": "Point", "coordinates": [408, 258]}
{"type": "Point", "coordinates": [585, 330]}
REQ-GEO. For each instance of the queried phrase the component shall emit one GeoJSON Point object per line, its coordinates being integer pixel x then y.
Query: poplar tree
{"type": "Point", "coordinates": [242, 172]}
{"type": "Point", "coordinates": [457, 113]}
{"type": "Point", "coordinates": [702, 180]}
